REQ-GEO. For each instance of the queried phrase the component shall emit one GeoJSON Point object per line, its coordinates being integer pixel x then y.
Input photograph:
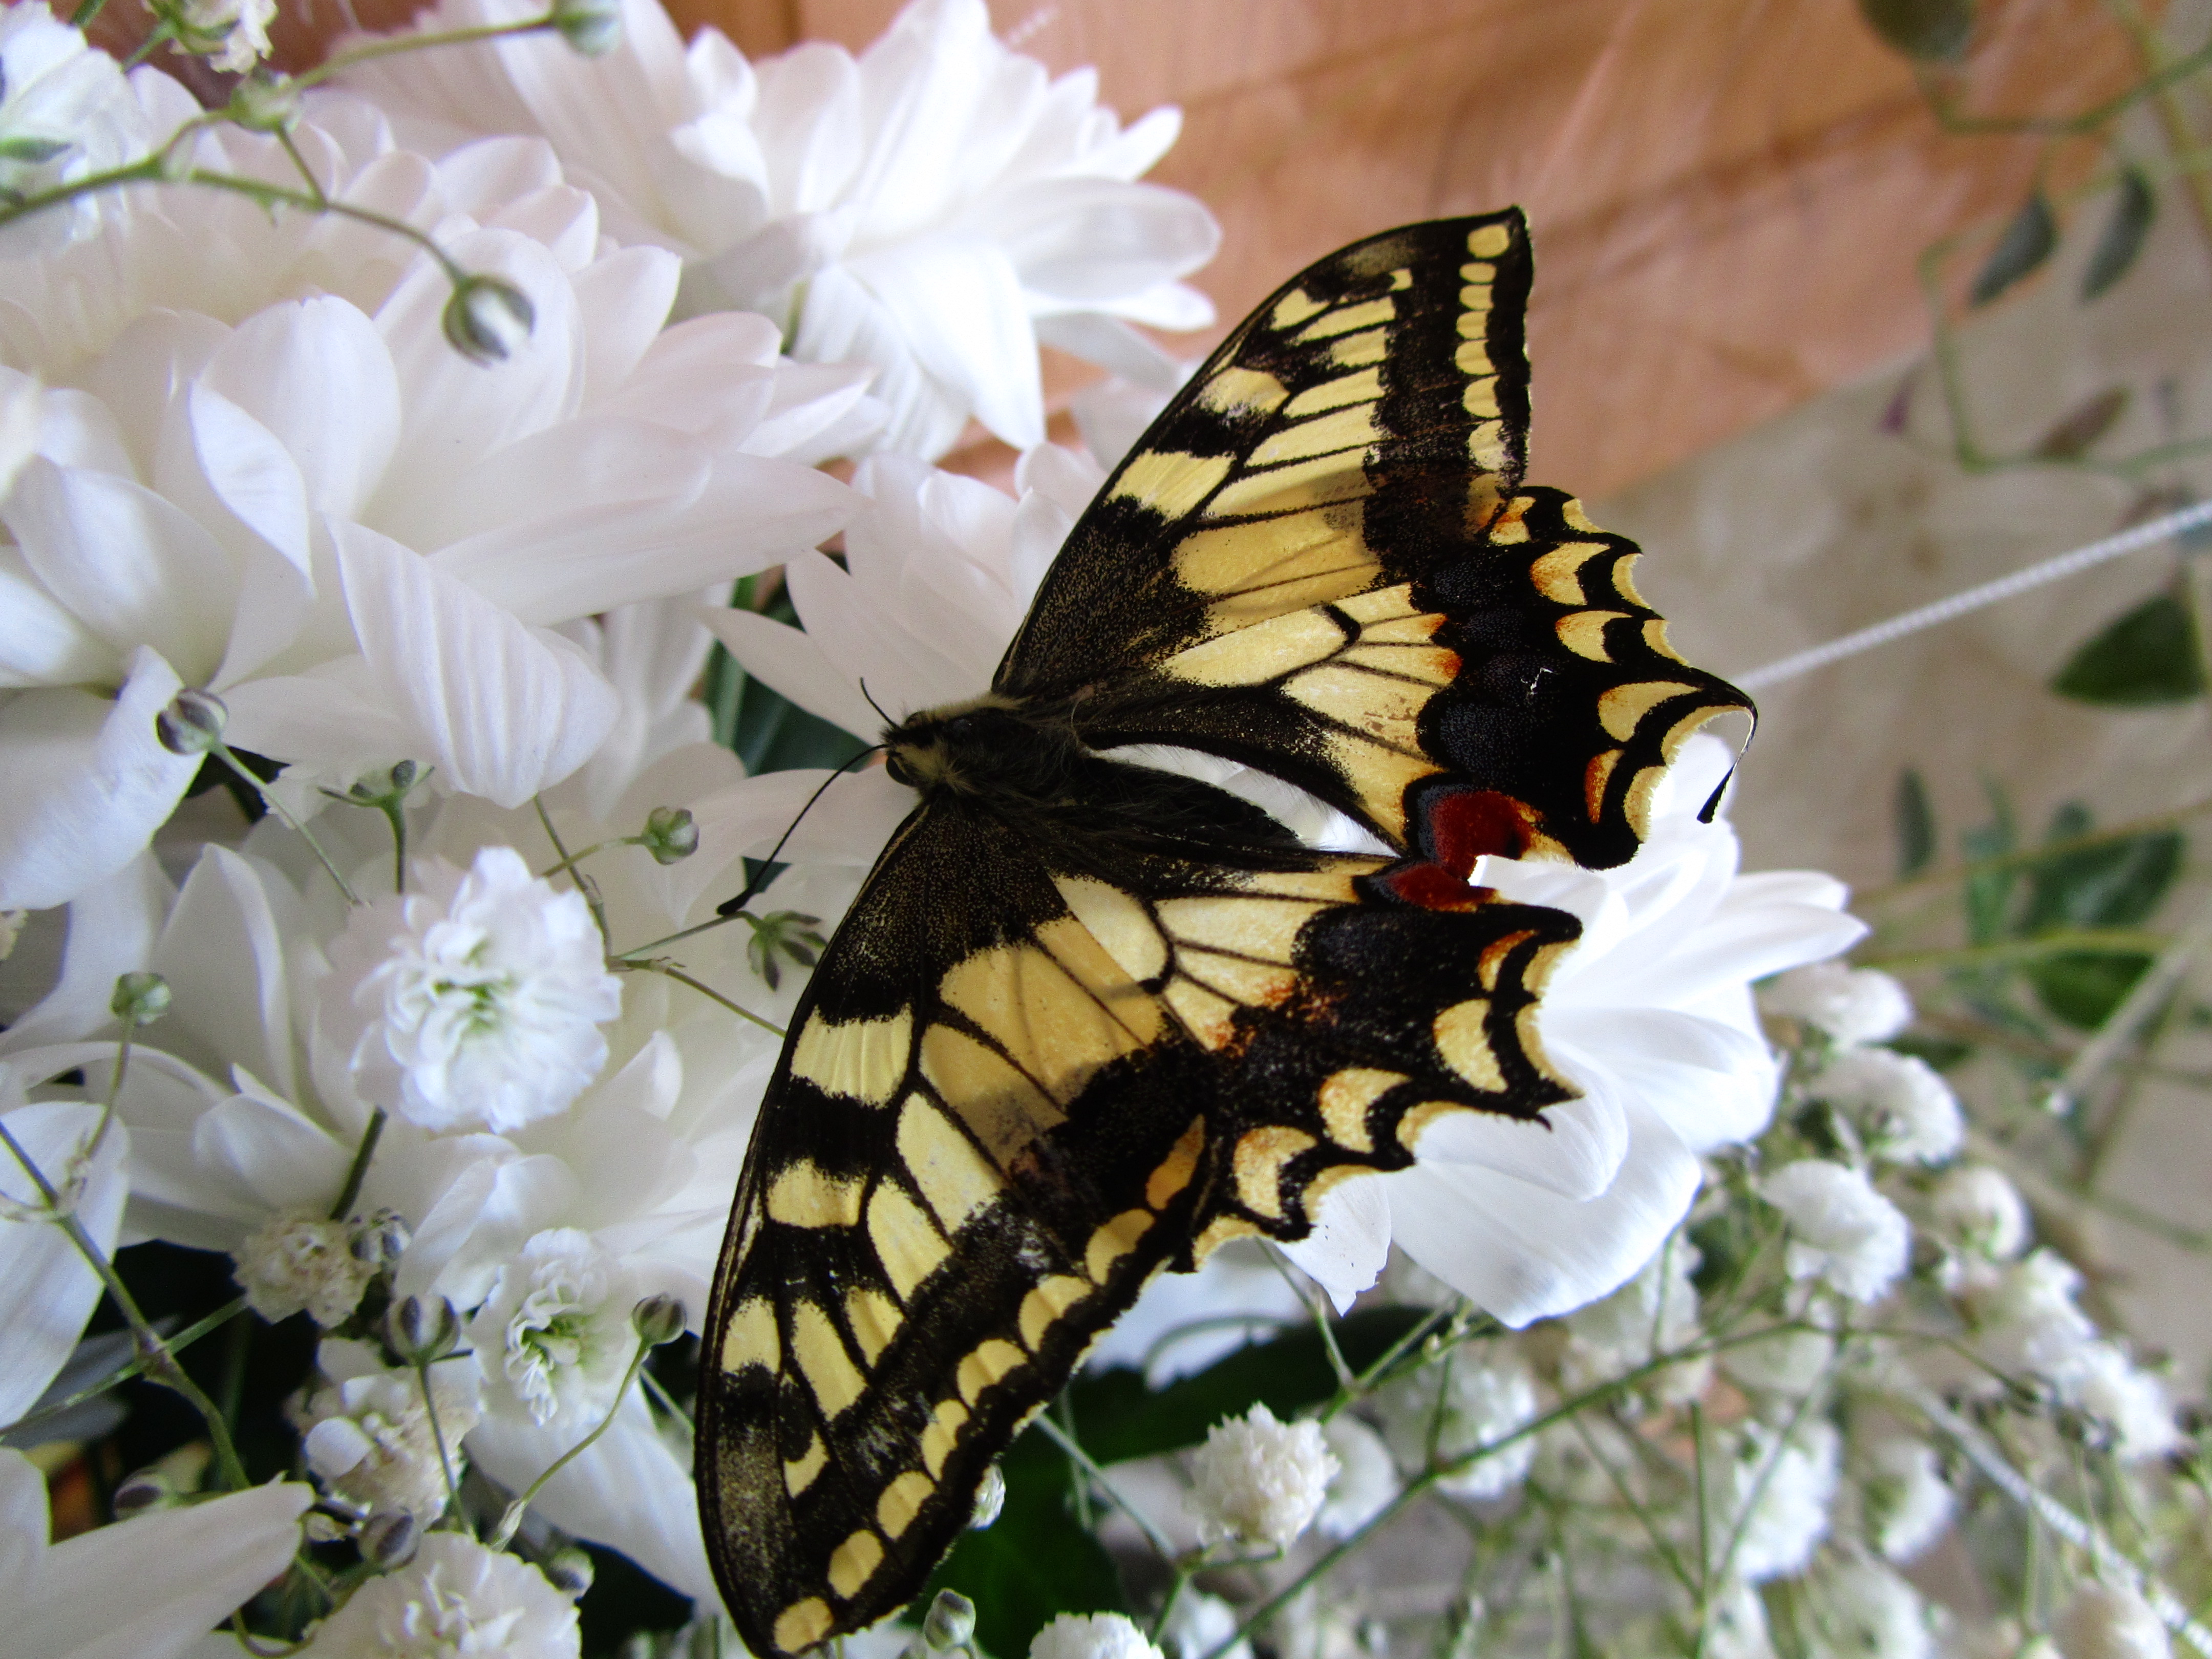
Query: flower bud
{"type": "Point", "coordinates": [391, 784]}
{"type": "Point", "coordinates": [140, 998]}
{"type": "Point", "coordinates": [420, 1332]}
{"type": "Point", "coordinates": [487, 317]}
{"type": "Point", "coordinates": [990, 1498]}
{"type": "Point", "coordinates": [569, 1571]}
{"type": "Point", "coordinates": [951, 1621]}
{"type": "Point", "coordinates": [381, 1239]}
{"type": "Point", "coordinates": [670, 834]}
{"type": "Point", "coordinates": [192, 724]}
{"type": "Point", "coordinates": [139, 1493]}
{"type": "Point", "coordinates": [265, 103]}
{"type": "Point", "coordinates": [658, 1319]}
{"type": "Point", "coordinates": [389, 1537]}
{"type": "Point", "coordinates": [593, 28]}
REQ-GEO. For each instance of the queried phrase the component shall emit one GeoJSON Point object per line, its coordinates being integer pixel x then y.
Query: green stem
{"type": "Point", "coordinates": [2087, 941]}
{"type": "Point", "coordinates": [2088, 120]}
{"type": "Point", "coordinates": [394, 44]}
{"type": "Point", "coordinates": [567, 862]}
{"type": "Point", "coordinates": [438, 1437]}
{"type": "Point", "coordinates": [513, 1519]}
{"type": "Point", "coordinates": [221, 752]}
{"type": "Point", "coordinates": [669, 970]}
{"type": "Point", "coordinates": [357, 1172]}
{"type": "Point", "coordinates": [131, 1368]}
{"type": "Point", "coordinates": [1059, 1437]}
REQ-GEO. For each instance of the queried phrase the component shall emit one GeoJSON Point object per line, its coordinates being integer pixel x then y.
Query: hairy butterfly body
{"type": "Point", "coordinates": [1087, 1019]}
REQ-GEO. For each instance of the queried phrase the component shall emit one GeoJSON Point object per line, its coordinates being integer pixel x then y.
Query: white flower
{"type": "Point", "coordinates": [1656, 1312]}
{"type": "Point", "coordinates": [1860, 1607]}
{"type": "Point", "coordinates": [367, 1432]}
{"type": "Point", "coordinates": [2129, 1405]}
{"type": "Point", "coordinates": [47, 1289]}
{"type": "Point", "coordinates": [1183, 1322]}
{"type": "Point", "coordinates": [936, 207]}
{"type": "Point", "coordinates": [1841, 1230]}
{"type": "Point", "coordinates": [240, 26]}
{"type": "Point", "coordinates": [1260, 1482]}
{"type": "Point", "coordinates": [65, 111]}
{"type": "Point", "coordinates": [1775, 1492]}
{"type": "Point", "coordinates": [1478, 1400]}
{"type": "Point", "coordinates": [1899, 1103]}
{"type": "Point", "coordinates": [1907, 1501]}
{"type": "Point", "coordinates": [1977, 1210]}
{"type": "Point", "coordinates": [1853, 1006]}
{"type": "Point", "coordinates": [302, 1262]}
{"type": "Point", "coordinates": [555, 1337]}
{"type": "Point", "coordinates": [1735, 1625]}
{"type": "Point", "coordinates": [1091, 1636]}
{"type": "Point", "coordinates": [2024, 1315]}
{"type": "Point", "coordinates": [148, 1587]}
{"type": "Point", "coordinates": [482, 994]}
{"type": "Point", "coordinates": [1197, 1624]}
{"type": "Point", "coordinates": [1365, 1481]}
{"type": "Point", "coordinates": [2102, 1622]}
{"type": "Point", "coordinates": [1787, 1361]}
{"type": "Point", "coordinates": [455, 1597]}
{"type": "Point", "coordinates": [359, 540]}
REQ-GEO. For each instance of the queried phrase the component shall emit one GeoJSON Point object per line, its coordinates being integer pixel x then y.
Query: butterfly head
{"type": "Point", "coordinates": [973, 747]}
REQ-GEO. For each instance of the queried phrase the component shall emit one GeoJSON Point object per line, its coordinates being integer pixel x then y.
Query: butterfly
{"type": "Point", "coordinates": [1088, 1019]}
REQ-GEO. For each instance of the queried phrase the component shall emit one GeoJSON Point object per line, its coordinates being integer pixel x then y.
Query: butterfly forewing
{"type": "Point", "coordinates": [1020, 1082]}
{"type": "Point", "coordinates": [1321, 562]}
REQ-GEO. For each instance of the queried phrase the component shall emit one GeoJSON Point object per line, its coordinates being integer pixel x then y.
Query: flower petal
{"type": "Point", "coordinates": [111, 929]}
{"type": "Point", "coordinates": [790, 661]}
{"type": "Point", "coordinates": [47, 1289]}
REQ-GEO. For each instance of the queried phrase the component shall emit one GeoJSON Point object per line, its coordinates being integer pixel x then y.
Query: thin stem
{"type": "Point", "coordinates": [567, 863]}
{"type": "Point", "coordinates": [669, 970]}
{"type": "Point", "coordinates": [513, 1519]}
{"type": "Point", "coordinates": [1059, 1437]}
{"type": "Point", "coordinates": [2132, 830]}
{"type": "Point", "coordinates": [2086, 941]}
{"type": "Point", "coordinates": [393, 45]}
{"type": "Point", "coordinates": [357, 1172]}
{"type": "Point", "coordinates": [221, 752]}
{"type": "Point", "coordinates": [2088, 120]}
{"type": "Point", "coordinates": [131, 1368]}
{"type": "Point", "coordinates": [438, 1436]}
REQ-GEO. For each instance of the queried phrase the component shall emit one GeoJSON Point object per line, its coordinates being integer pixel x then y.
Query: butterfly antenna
{"type": "Point", "coordinates": [888, 721]}
{"type": "Point", "coordinates": [759, 877]}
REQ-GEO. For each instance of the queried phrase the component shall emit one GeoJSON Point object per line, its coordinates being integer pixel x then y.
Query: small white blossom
{"type": "Point", "coordinates": [1907, 1501]}
{"type": "Point", "coordinates": [1900, 1105]}
{"type": "Point", "coordinates": [2105, 1623]}
{"type": "Point", "coordinates": [1840, 1229]}
{"type": "Point", "coordinates": [1861, 1607]}
{"type": "Point", "coordinates": [1459, 1408]}
{"type": "Point", "coordinates": [368, 1434]}
{"type": "Point", "coordinates": [1199, 1623]}
{"type": "Point", "coordinates": [555, 1337]}
{"type": "Point", "coordinates": [482, 994]}
{"type": "Point", "coordinates": [1091, 1636]}
{"type": "Point", "coordinates": [65, 109]}
{"type": "Point", "coordinates": [1777, 1492]}
{"type": "Point", "coordinates": [1259, 1481]}
{"type": "Point", "coordinates": [1788, 1361]}
{"type": "Point", "coordinates": [2024, 1315]}
{"type": "Point", "coordinates": [456, 1597]}
{"type": "Point", "coordinates": [237, 31]}
{"type": "Point", "coordinates": [296, 1262]}
{"type": "Point", "coordinates": [1656, 1312]}
{"type": "Point", "coordinates": [1853, 1006]}
{"type": "Point", "coordinates": [1735, 1625]}
{"type": "Point", "coordinates": [1366, 1478]}
{"type": "Point", "coordinates": [2130, 1404]}
{"type": "Point", "coordinates": [1977, 1210]}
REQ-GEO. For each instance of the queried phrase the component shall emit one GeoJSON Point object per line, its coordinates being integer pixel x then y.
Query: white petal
{"type": "Point", "coordinates": [1076, 243]}
{"type": "Point", "coordinates": [1349, 1243]}
{"type": "Point", "coordinates": [332, 721]}
{"type": "Point", "coordinates": [273, 1150]}
{"type": "Point", "coordinates": [112, 927]}
{"type": "Point", "coordinates": [503, 709]}
{"type": "Point", "coordinates": [47, 1290]}
{"type": "Point", "coordinates": [1574, 1149]}
{"type": "Point", "coordinates": [223, 953]}
{"type": "Point", "coordinates": [624, 299]}
{"type": "Point", "coordinates": [88, 785]}
{"type": "Point", "coordinates": [41, 642]}
{"type": "Point", "coordinates": [958, 306]}
{"type": "Point", "coordinates": [849, 824]}
{"type": "Point", "coordinates": [790, 661]}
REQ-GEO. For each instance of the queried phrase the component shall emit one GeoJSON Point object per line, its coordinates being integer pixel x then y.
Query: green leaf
{"type": "Point", "coordinates": [1930, 31]}
{"type": "Point", "coordinates": [2085, 990]}
{"type": "Point", "coordinates": [1989, 894]}
{"type": "Point", "coordinates": [2119, 884]}
{"type": "Point", "coordinates": [2071, 434]}
{"type": "Point", "coordinates": [1915, 819]}
{"type": "Point", "coordinates": [2027, 242]}
{"type": "Point", "coordinates": [2133, 210]}
{"type": "Point", "coordinates": [2145, 657]}
{"type": "Point", "coordinates": [23, 147]}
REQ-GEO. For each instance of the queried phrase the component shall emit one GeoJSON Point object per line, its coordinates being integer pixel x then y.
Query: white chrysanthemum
{"type": "Point", "coordinates": [2024, 1315]}
{"type": "Point", "coordinates": [1906, 1500]}
{"type": "Point", "coordinates": [2103, 1622]}
{"type": "Point", "coordinates": [1979, 1211]}
{"type": "Point", "coordinates": [263, 470]}
{"type": "Point", "coordinates": [1853, 1006]}
{"type": "Point", "coordinates": [1091, 1636]}
{"type": "Point", "coordinates": [1260, 1482]}
{"type": "Point", "coordinates": [367, 1433]}
{"type": "Point", "coordinates": [302, 1262]}
{"type": "Point", "coordinates": [555, 1337]}
{"type": "Point", "coordinates": [1861, 1608]}
{"type": "Point", "coordinates": [1197, 1624]}
{"type": "Point", "coordinates": [1480, 1399]}
{"type": "Point", "coordinates": [2130, 1406]}
{"type": "Point", "coordinates": [1366, 1477]}
{"type": "Point", "coordinates": [1656, 1312]}
{"type": "Point", "coordinates": [65, 111]}
{"type": "Point", "coordinates": [1841, 1230]}
{"type": "Point", "coordinates": [1899, 1103]}
{"type": "Point", "coordinates": [1776, 1492]}
{"type": "Point", "coordinates": [478, 997]}
{"type": "Point", "coordinates": [455, 1597]}
{"type": "Point", "coordinates": [936, 207]}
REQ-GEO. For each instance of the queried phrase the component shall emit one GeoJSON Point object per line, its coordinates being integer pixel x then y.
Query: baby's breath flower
{"type": "Point", "coordinates": [1853, 1006]}
{"type": "Point", "coordinates": [1259, 1481]}
{"type": "Point", "coordinates": [299, 1261]}
{"type": "Point", "coordinates": [1977, 1210]}
{"type": "Point", "coordinates": [1093, 1636]}
{"type": "Point", "coordinates": [1860, 1607]}
{"type": "Point", "coordinates": [1778, 1491]}
{"type": "Point", "coordinates": [1900, 1105]}
{"type": "Point", "coordinates": [1907, 1503]}
{"type": "Point", "coordinates": [555, 1337]}
{"type": "Point", "coordinates": [1476, 1401]}
{"type": "Point", "coordinates": [1366, 1478]}
{"type": "Point", "coordinates": [1199, 1623]}
{"type": "Point", "coordinates": [1841, 1230]}
{"type": "Point", "coordinates": [2128, 1407]}
{"type": "Point", "coordinates": [2024, 1315]}
{"type": "Point", "coordinates": [455, 1597]}
{"type": "Point", "coordinates": [231, 34]}
{"type": "Point", "coordinates": [366, 1431]}
{"type": "Point", "coordinates": [2104, 1623]}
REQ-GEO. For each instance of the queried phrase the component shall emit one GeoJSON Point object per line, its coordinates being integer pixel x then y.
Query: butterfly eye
{"type": "Point", "coordinates": [897, 769]}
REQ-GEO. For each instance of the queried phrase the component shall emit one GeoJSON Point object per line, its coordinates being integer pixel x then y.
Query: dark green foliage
{"type": "Point", "coordinates": [1915, 821]}
{"type": "Point", "coordinates": [2145, 657]}
{"type": "Point", "coordinates": [1930, 31]}
{"type": "Point", "coordinates": [2117, 885]}
{"type": "Point", "coordinates": [1942, 1053]}
{"type": "Point", "coordinates": [2134, 206]}
{"type": "Point", "coordinates": [2072, 433]}
{"type": "Point", "coordinates": [767, 731]}
{"type": "Point", "coordinates": [2027, 242]}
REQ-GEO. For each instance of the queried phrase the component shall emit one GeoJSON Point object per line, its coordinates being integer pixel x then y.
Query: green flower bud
{"type": "Point", "coordinates": [658, 1319]}
{"type": "Point", "coordinates": [670, 834]}
{"type": "Point", "coordinates": [382, 1240]}
{"type": "Point", "coordinates": [389, 1538]}
{"type": "Point", "coordinates": [420, 1332]}
{"type": "Point", "coordinates": [140, 998]}
{"type": "Point", "coordinates": [487, 317]}
{"type": "Point", "coordinates": [265, 103]}
{"type": "Point", "coordinates": [593, 28]}
{"type": "Point", "coordinates": [569, 1571]}
{"type": "Point", "coordinates": [950, 1622]}
{"type": "Point", "coordinates": [141, 1493]}
{"type": "Point", "coordinates": [990, 1498]}
{"type": "Point", "coordinates": [192, 724]}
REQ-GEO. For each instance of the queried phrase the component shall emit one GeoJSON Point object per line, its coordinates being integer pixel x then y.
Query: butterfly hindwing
{"type": "Point", "coordinates": [1321, 562]}
{"type": "Point", "coordinates": [1029, 1072]}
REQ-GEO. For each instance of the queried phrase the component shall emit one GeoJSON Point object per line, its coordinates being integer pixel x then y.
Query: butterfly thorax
{"type": "Point", "coordinates": [991, 747]}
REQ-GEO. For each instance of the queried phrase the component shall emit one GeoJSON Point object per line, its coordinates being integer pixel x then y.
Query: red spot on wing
{"type": "Point", "coordinates": [1434, 888]}
{"type": "Point", "coordinates": [1460, 827]}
